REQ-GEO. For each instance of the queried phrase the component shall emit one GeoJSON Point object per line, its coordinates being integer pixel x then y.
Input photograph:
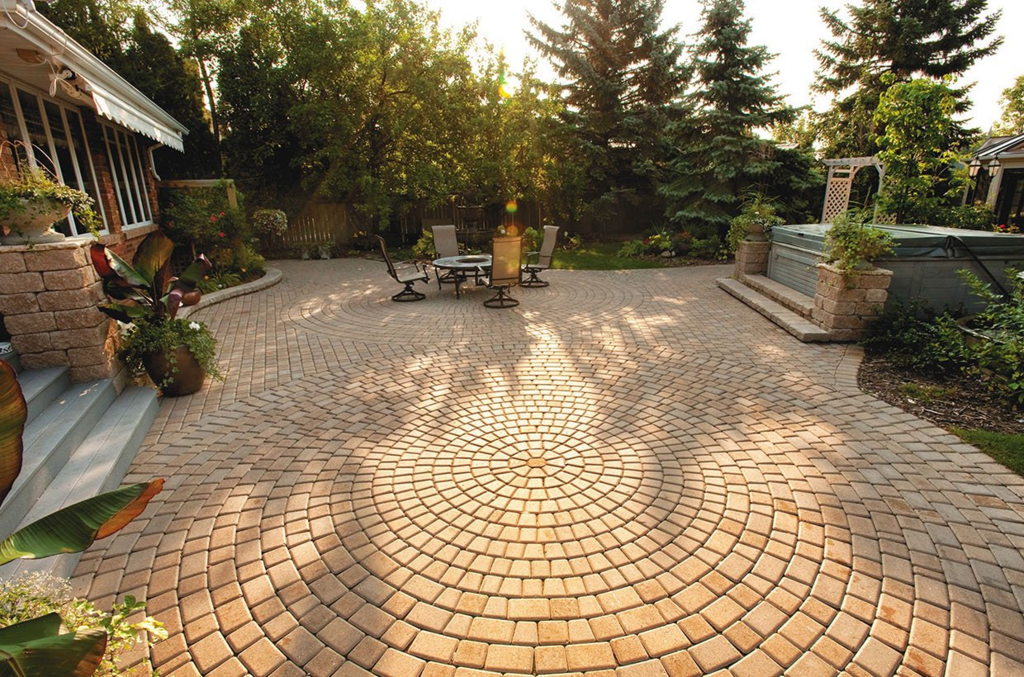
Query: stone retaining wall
{"type": "Point", "coordinates": [49, 295]}
{"type": "Point", "coordinates": [752, 258]}
{"type": "Point", "coordinates": [844, 302]}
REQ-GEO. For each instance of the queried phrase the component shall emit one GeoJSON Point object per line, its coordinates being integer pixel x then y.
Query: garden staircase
{"type": "Point", "coordinates": [79, 440]}
{"type": "Point", "coordinates": [786, 307]}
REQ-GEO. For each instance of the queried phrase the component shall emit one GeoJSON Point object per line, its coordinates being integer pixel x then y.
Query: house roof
{"type": "Point", "coordinates": [35, 50]}
{"type": "Point", "coordinates": [997, 146]}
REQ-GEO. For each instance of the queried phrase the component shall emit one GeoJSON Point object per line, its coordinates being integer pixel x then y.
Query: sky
{"type": "Point", "coordinates": [791, 29]}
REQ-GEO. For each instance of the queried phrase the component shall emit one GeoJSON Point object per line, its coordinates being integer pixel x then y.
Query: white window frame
{"type": "Point", "coordinates": [129, 162]}
{"type": "Point", "coordinates": [13, 86]}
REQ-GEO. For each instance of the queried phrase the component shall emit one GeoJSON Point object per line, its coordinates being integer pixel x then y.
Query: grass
{"type": "Point", "coordinates": [1006, 448]}
{"type": "Point", "coordinates": [599, 256]}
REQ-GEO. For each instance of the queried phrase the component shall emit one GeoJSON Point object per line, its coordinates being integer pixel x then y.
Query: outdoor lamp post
{"type": "Point", "coordinates": [974, 167]}
{"type": "Point", "coordinates": [993, 167]}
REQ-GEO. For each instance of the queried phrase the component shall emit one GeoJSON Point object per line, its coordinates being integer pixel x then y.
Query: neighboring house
{"type": "Point", "coordinates": [998, 167]}
{"type": "Point", "coordinates": [84, 123]}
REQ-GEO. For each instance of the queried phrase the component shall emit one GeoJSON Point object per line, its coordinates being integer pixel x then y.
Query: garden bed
{"type": "Point", "coordinates": [962, 403]}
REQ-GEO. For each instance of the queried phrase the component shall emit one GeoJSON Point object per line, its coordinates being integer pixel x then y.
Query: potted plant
{"type": "Point", "coordinates": [852, 244]}
{"type": "Point", "coordinates": [176, 354]}
{"type": "Point", "coordinates": [754, 222]}
{"type": "Point", "coordinates": [32, 200]}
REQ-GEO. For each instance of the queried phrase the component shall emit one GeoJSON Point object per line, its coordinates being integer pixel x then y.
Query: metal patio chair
{"type": "Point", "coordinates": [505, 271]}
{"type": "Point", "coordinates": [547, 248]}
{"type": "Point", "coordinates": [446, 244]}
{"type": "Point", "coordinates": [406, 277]}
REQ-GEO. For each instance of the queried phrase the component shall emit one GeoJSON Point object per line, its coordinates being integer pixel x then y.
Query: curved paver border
{"type": "Point", "coordinates": [271, 277]}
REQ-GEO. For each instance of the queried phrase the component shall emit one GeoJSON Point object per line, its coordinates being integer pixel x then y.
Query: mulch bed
{"type": "Point", "coordinates": [965, 404]}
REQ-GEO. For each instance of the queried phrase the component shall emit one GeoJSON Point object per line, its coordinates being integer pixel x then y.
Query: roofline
{"type": "Point", "coordinates": [46, 35]}
{"type": "Point", "coordinates": [994, 150]}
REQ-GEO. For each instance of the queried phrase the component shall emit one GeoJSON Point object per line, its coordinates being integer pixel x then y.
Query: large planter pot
{"type": "Point", "coordinates": [188, 378]}
{"type": "Point", "coordinates": [32, 223]}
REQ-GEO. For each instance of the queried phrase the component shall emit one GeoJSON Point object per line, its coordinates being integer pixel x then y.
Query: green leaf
{"type": "Point", "coordinates": [110, 266]}
{"type": "Point", "coordinates": [194, 273]}
{"type": "Point", "coordinates": [35, 647]}
{"type": "Point", "coordinates": [123, 312]}
{"type": "Point", "coordinates": [152, 257]}
{"type": "Point", "coordinates": [13, 414]}
{"type": "Point", "coordinates": [74, 528]}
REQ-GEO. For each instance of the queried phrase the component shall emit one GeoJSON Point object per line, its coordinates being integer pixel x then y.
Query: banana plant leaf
{"type": "Point", "coordinates": [74, 528]}
{"type": "Point", "coordinates": [122, 312]}
{"type": "Point", "coordinates": [13, 414]}
{"type": "Point", "coordinates": [110, 266]}
{"type": "Point", "coordinates": [36, 647]}
{"type": "Point", "coordinates": [195, 272]}
{"type": "Point", "coordinates": [152, 257]}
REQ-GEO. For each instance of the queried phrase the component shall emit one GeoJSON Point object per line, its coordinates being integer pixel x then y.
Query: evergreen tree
{"type": "Point", "coordinates": [720, 156]}
{"type": "Point", "coordinates": [900, 39]}
{"type": "Point", "coordinates": [621, 79]}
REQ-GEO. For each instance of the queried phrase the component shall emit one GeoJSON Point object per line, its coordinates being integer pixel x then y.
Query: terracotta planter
{"type": "Point", "coordinates": [191, 298]}
{"type": "Point", "coordinates": [188, 378]}
{"type": "Point", "coordinates": [32, 224]}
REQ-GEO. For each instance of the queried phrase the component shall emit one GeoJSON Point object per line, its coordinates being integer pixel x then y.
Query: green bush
{"type": "Point", "coordinates": [33, 595]}
{"type": "Point", "coordinates": [705, 248]}
{"type": "Point", "coordinates": [914, 337]}
{"type": "Point", "coordinates": [423, 250]}
{"type": "Point", "coordinates": [269, 222]}
{"type": "Point", "coordinates": [998, 336]}
{"type": "Point", "coordinates": [851, 241]}
{"type": "Point", "coordinates": [531, 239]}
{"type": "Point", "coordinates": [633, 249]}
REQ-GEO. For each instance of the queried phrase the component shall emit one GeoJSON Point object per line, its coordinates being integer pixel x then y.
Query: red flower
{"type": "Point", "coordinates": [221, 233]}
{"type": "Point", "coordinates": [222, 213]}
{"type": "Point", "coordinates": [213, 219]}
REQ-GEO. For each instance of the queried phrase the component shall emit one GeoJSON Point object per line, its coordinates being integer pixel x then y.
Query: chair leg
{"type": "Point", "coordinates": [533, 280]}
{"type": "Point", "coordinates": [408, 294]}
{"type": "Point", "coordinates": [501, 299]}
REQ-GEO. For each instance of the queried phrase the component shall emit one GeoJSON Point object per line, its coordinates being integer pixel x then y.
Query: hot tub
{"type": "Point", "coordinates": [924, 264]}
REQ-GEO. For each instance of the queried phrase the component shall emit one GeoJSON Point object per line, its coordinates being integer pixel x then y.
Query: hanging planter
{"type": "Point", "coordinates": [31, 221]}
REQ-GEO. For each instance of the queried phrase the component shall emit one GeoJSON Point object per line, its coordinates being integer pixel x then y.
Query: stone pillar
{"type": "Point", "coordinates": [49, 295]}
{"type": "Point", "coordinates": [844, 302]}
{"type": "Point", "coordinates": [752, 258]}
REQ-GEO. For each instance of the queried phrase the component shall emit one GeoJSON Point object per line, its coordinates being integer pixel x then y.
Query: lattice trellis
{"type": "Point", "coordinates": [840, 181]}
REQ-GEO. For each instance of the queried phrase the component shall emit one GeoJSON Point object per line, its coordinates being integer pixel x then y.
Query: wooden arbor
{"type": "Point", "coordinates": [841, 172]}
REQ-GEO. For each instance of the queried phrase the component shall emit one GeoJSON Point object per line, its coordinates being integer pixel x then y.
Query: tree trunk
{"type": "Point", "coordinates": [213, 111]}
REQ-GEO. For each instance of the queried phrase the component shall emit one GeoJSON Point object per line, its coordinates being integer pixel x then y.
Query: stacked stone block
{"type": "Point", "coordinates": [49, 295]}
{"type": "Point", "coordinates": [752, 258]}
{"type": "Point", "coordinates": [844, 302]}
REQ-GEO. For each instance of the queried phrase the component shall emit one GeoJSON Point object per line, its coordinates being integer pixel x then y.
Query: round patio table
{"type": "Point", "coordinates": [462, 266]}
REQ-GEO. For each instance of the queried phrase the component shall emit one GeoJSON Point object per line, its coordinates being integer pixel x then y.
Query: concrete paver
{"type": "Point", "coordinates": [630, 473]}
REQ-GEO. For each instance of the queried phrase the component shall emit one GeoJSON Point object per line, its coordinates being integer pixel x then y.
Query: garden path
{"type": "Point", "coordinates": [629, 474]}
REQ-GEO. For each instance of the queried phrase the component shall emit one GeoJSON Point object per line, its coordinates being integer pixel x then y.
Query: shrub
{"type": "Point", "coordinates": [851, 242]}
{"type": "Point", "coordinates": [633, 249]}
{"type": "Point", "coordinates": [914, 337]}
{"type": "Point", "coordinates": [572, 242]}
{"type": "Point", "coordinates": [423, 250]}
{"type": "Point", "coordinates": [33, 595]}
{"type": "Point", "coordinates": [531, 239]}
{"type": "Point", "coordinates": [705, 248]}
{"type": "Point", "coordinates": [998, 330]}
{"type": "Point", "coordinates": [269, 222]}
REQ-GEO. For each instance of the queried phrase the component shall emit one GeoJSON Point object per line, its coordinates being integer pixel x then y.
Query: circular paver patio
{"type": "Point", "coordinates": [631, 474]}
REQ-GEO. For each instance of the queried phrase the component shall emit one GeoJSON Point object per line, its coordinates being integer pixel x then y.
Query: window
{"type": "Point", "coordinates": [129, 176]}
{"type": "Point", "coordinates": [57, 143]}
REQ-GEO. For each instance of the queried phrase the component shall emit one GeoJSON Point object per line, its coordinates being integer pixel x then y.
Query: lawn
{"type": "Point", "coordinates": [1006, 448]}
{"type": "Point", "coordinates": [599, 256]}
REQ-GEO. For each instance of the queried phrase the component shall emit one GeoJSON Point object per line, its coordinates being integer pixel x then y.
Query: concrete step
{"type": "Point", "coordinates": [796, 325]}
{"type": "Point", "coordinates": [49, 441]}
{"type": "Point", "coordinates": [42, 386]}
{"type": "Point", "coordinates": [97, 465]}
{"type": "Point", "coordinates": [801, 304]}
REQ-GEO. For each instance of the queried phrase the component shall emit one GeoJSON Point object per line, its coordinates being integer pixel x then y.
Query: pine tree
{"type": "Point", "coordinates": [901, 38]}
{"type": "Point", "coordinates": [621, 78]}
{"type": "Point", "coordinates": [720, 156]}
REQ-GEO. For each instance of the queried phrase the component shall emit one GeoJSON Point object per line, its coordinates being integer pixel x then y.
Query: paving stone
{"type": "Point", "coordinates": [629, 473]}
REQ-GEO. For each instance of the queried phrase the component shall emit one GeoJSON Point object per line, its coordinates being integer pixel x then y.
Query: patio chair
{"type": "Point", "coordinates": [547, 248]}
{"type": "Point", "coordinates": [446, 244]}
{"type": "Point", "coordinates": [505, 271]}
{"type": "Point", "coordinates": [406, 277]}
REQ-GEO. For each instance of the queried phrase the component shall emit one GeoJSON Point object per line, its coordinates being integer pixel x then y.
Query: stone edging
{"type": "Point", "coordinates": [271, 277]}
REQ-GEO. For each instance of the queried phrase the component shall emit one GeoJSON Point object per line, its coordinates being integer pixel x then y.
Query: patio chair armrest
{"type": "Point", "coordinates": [527, 255]}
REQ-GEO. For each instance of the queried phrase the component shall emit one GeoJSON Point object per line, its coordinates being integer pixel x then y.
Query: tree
{"type": "Point", "coordinates": [902, 39]}
{"type": "Point", "coordinates": [620, 82]}
{"type": "Point", "coordinates": [1012, 121]}
{"type": "Point", "coordinates": [918, 120]}
{"type": "Point", "coordinates": [721, 157]}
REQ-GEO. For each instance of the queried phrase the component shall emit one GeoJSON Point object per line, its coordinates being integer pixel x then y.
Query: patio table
{"type": "Point", "coordinates": [462, 266]}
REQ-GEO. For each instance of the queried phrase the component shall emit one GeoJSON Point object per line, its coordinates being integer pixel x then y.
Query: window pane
{"type": "Point", "coordinates": [133, 179]}
{"type": "Point", "coordinates": [82, 153]}
{"type": "Point", "coordinates": [117, 170]}
{"type": "Point", "coordinates": [36, 131]}
{"type": "Point", "coordinates": [10, 119]}
{"type": "Point", "coordinates": [143, 176]}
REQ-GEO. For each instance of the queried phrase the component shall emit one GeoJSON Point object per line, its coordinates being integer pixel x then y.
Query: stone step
{"type": "Point", "coordinates": [97, 465]}
{"type": "Point", "coordinates": [797, 325]}
{"type": "Point", "coordinates": [799, 303]}
{"type": "Point", "coordinates": [49, 440]}
{"type": "Point", "coordinates": [42, 386]}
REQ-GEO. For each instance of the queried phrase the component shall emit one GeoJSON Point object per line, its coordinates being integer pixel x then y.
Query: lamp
{"type": "Point", "coordinates": [993, 167]}
{"type": "Point", "coordinates": [974, 167]}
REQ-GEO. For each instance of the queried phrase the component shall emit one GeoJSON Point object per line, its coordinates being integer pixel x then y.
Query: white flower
{"type": "Point", "coordinates": [195, 326]}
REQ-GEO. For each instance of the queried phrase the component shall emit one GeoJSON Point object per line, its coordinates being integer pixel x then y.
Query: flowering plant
{"type": "Point", "coordinates": [1008, 228]}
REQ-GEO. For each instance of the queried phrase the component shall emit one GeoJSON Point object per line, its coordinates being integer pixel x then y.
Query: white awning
{"type": "Point", "coordinates": [111, 108]}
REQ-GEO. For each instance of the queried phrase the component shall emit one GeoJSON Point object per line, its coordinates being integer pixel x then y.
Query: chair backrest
{"type": "Point", "coordinates": [387, 258]}
{"type": "Point", "coordinates": [505, 260]}
{"type": "Point", "coordinates": [446, 243]}
{"type": "Point", "coordinates": [547, 247]}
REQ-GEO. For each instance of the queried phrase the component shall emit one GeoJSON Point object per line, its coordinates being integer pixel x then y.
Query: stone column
{"type": "Point", "coordinates": [844, 302]}
{"type": "Point", "coordinates": [49, 295]}
{"type": "Point", "coordinates": [752, 258]}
